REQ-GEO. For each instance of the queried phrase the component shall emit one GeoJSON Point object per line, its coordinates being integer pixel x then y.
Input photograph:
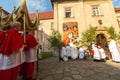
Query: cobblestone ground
{"type": "Point", "coordinates": [52, 69]}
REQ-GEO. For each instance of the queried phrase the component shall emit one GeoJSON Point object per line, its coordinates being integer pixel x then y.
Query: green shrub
{"type": "Point", "coordinates": [55, 40]}
{"type": "Point", "coordinates": [112, 33]}
{"type": "Point", "coordinates": [46, 55]}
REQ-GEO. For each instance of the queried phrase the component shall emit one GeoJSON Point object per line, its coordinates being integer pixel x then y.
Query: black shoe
{"type": "Point", "coordinates": [60, 59]}
{"type": "Point", "coordinates": [96, 60]}
{"type": "Point", "coordinates": [103, 60]}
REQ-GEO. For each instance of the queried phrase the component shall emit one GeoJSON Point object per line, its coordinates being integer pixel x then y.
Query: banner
{"type": "Point", "coordinates": [70, 31]}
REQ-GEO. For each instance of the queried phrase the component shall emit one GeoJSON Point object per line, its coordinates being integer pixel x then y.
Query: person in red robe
{"type": "Point", "coordinates": [11, 53]}
{"type": "Point", "coordinates": [31, 56]}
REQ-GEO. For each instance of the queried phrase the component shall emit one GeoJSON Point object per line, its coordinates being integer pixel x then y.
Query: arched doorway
{"type": "Point", "coordinates": [102, 40]}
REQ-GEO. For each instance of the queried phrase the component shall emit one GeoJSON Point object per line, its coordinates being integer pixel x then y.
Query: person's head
{"type": "Point", "coordinates": [99, 46]}
{"type": "Point", "coordinates": [63, 45]}
{"type": "Point", "coordinates": [67, 44]}
{"type": "Point", "coordinates": [16, 25]}
{"type": "Point", "coordinates": [95, 45]}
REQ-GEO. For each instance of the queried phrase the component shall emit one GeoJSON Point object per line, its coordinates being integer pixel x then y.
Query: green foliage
{"type": "Point", "coordinates": [55, 40]}
{"type": "Point", "coordinates": [46, 55]}
{"type": "Point", "coordinates": [88, 36]}
{"type": "Point", "coordinates": [112, 33]}
{"type": "Point", "coordinates": [118, 36]}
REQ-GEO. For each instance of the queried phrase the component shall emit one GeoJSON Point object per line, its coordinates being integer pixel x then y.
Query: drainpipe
{"type": "Point", "coordinates": [57, 18]}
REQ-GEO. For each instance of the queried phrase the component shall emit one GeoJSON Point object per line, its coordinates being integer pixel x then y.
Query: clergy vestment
{"type": "Point", "coordinates": [68, 51]}
{"type": "Point", "coordinates": [74, 52]}
{"type": "Point", "coordinates": [63, 54]}
{"type": "Point", "coordinates": [11, 55]}
{"type": "Point", "coordinates": [114, 51]}
{"type": "Point", "coordinates": [96, 55]}
{"type": "Point", "coordinates": [31, 56]}
{"type": "Point", "coordinates": [81, 52]}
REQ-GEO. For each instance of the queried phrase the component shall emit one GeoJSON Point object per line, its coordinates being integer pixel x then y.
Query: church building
{"type": "Point", "coordinates": [77, 16]}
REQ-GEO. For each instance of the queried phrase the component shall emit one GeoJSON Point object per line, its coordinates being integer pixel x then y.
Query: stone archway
{"type": "Point", "coordinates": [102, 36]}
{"type": "Point", "coordinates": [102, 40]}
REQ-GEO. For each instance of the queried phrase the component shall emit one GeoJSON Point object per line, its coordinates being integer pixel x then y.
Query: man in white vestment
{"type": "Point", "coordinates": [96, 55]}
{"type": "Point", "coordinates": [74, 52]}
{"type": "Point", "coordinates": [63, 54]}
{"type": "Point", "coordinates": [102, 53]}
{"type": "Point", "coordinates": [68, 51]}
{"type": "Point", "coordinates": [81, 52]}
{"type": "Point", "coordinates": [114, 50]}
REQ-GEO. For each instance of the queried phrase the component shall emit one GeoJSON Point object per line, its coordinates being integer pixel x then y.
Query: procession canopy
{"type": "Point", "coordinates": [20, 14]}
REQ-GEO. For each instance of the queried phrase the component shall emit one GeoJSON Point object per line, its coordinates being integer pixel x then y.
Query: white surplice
{"type": "Point", "coordinates": [102, 53]}
{"type": "Point", "coordinates": [68, 51]}
{"type": "Point", "coordinates": [12, 60]}
{"type": "Point", "coordinates": [96, 53]}
{"type": "Point", "coordinates": [114, 51]}
{"type": "Point", "coordinates": [74, 52]}
{"type": "Point", "coordinates": [63, 54]}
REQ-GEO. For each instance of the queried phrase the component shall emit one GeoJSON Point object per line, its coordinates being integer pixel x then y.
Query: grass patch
{"type": "Point", "coordinates": [46, 55]}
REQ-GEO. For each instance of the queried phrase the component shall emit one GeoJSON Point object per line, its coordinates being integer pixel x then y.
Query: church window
{"type": "Point", "coordinates": [68, 12]}
{"type": "Point", "coordinates": [52, 25]}
{"type": "Point", "coordinates": [96, 10]}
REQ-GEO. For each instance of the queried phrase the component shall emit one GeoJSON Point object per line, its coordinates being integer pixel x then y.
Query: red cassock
{"type": "Point", "coordinates": [9, 74]}
{"type": "Point", "coordinates": [28, 66]}
{"type": "Point", "coordinates": [30, 42]}
{"type": "Point", "coordinates": [11, 43]}
{"type": "Point", "coordinates": [2, 37]}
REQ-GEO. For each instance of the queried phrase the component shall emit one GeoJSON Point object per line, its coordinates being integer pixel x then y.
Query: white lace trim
{"type": "Point", "coordinates": [13, 60]}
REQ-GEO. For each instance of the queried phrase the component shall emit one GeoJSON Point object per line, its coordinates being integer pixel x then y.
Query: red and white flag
{"type": "Point", "coordinates": [42, 34]}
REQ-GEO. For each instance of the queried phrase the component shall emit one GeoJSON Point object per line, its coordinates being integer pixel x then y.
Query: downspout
{"type": "Point", "coordinates": [58, 31]}
{"type": "Point", "coordinates": [57, 18]}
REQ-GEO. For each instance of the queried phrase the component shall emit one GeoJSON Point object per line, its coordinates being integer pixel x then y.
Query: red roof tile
{"type": "Point", "coordinates": [117, 9]}
{"type": "Point", "coordinates": [43, 15]}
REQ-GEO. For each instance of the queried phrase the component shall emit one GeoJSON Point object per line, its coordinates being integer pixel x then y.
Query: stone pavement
{"type": "Point", "coordinates": [52, 69]}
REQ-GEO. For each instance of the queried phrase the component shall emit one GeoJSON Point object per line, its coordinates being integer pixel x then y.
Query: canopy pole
{"type": "Point", "coordinates": [24, 30]}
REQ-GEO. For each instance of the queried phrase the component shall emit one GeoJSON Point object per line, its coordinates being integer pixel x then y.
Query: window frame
{"type": "Point", "coordinates": [52, 25]}
{"type": "Point", "coordinates": [96, 10]}
{"type": "Point", "coordinates": [68, 10]}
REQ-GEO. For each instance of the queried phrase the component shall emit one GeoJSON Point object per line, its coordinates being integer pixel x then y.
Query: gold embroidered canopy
{"type": "Point", "coordinates": [20, 14]}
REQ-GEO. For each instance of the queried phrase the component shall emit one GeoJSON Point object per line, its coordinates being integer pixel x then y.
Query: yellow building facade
{"type": "Point", "coordinates": [80, 14]}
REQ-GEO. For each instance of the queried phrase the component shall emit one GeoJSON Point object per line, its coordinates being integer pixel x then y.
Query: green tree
{"type": "Point", "coordinates": [55, 41]}
{"type": "Point", "coordinates": [88, 36]}
{"type": "Point", "coordinates": [118, 36]}
{"type": "Point", "coordinates": [112, 33]}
